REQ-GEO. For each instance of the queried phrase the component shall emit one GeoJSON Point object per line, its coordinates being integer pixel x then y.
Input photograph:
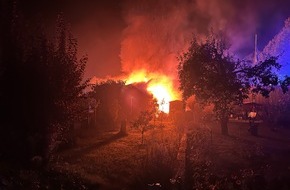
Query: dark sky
{"type": "Point", "coordinates": [117, 33]}
{"type": "Point", "coordinates": [97, 25]}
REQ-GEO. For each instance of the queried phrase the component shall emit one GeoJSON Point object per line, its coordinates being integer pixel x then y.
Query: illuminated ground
{"type": "Point", "coordinates": [108, 161]}
{"type": "Point", "coordinates": [120, 161]}
{"type": "Point", "coordinates": [239, 159]}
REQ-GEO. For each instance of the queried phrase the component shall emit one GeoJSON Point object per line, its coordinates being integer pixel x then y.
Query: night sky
{"type": "Point", "coordinates": [116, 33]}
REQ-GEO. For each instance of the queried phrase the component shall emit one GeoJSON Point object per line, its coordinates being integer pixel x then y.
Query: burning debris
{"type": "Point", "coordinates": [159, 85]}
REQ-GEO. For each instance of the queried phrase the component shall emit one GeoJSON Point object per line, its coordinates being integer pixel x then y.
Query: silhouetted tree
{"type": "Point", "coordinates": [208, 72]}
{"type": "Point", "coordinates": [142, 122]}
{"type": "Point", "coordinates": [41, 82]}
{"type": "Point", "coordinates": [108, 94]}
{"type": "Point", "coordinates": [119, 102]}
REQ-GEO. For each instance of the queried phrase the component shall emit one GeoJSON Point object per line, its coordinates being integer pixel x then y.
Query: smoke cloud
{"type": "Point", "coordinates": [151, 33]}
{"type": "Point", "coordinates": [158, 30]}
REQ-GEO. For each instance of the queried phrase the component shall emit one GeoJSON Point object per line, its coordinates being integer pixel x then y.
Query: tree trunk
{"type": "Point", "coordinates": [224, 126]}
{"type": "Point", "coordinates": [123, 130]}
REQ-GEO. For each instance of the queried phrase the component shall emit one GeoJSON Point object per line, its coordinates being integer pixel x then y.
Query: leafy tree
{"type": "Point", "coordinates": [108, 94]}
{"type": "Point", "coordinates": [142, 123]}
{"type": "Point", "coordinates": [276, 108]}
{"type": "Point", "coordinates": [41, 83]}
{"type": "Point", "coordinates": [119, 102]}
{"type": "Point", "coordinates": [64, 77]}
{"type": "Point", "coordinates": [209, 73]}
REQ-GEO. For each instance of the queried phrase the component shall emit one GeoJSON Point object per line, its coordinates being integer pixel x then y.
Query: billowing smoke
{"type": "Point", "coordinates": [236, 20]}
{"type": "Point", "coordinates": [159, 30]}
{"type": "Point", "coordinates": [156, 32]}
{"type": "Point", "coordinates": [279, 46]}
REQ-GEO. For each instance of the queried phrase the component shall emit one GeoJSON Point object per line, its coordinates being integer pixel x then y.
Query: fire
{"type": "Point", "coordinates": [139, 76]}
{"type": "Point", "coordinates": [159, 85]}
{"type": "Point", "coordinates": [162, 94]}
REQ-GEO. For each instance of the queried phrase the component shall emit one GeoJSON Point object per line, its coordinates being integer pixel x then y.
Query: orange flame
{"type": "Point", "coordinates": [159, 85]}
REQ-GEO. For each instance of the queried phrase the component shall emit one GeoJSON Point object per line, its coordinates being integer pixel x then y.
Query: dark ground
{"type": "Point", "coordinates": [240, 160]}
{"type": "Point", "coordinates": [213, 161]}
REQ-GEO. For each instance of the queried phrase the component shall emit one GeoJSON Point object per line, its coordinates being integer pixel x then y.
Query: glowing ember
{"type": "Point", "coordinates": [159, 85]}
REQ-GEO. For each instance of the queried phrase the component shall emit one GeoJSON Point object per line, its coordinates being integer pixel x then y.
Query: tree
{"type": "Point", "coordinates": [64, 80]}
{"type": "Point", "coordinates": [41, 82]}
{"type": "Point", "coordinates": [142, 123]}
{"type": "Point", "coordinates": [209, 73]}
{"type": "Point", "coordinates": [120, 102]}
{"type": "Point", "coordinates": [108, 94]}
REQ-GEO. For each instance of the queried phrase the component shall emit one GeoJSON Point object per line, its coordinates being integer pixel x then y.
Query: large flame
{"type": "Point", "coordinates": [159, 85]}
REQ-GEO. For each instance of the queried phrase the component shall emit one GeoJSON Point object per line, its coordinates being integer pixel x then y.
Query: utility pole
{"type": "Point", "coordinates": [131, 105]}
{"type": "Point", "coordinates": [255, 58]}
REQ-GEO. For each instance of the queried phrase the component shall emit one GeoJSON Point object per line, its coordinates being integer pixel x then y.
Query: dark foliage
{"type": "Point", "coordinates": [209, 73]}
{"type": "Point", "coordinates": [118, 102]}
{"type": "Point", "coordinates": [45, 179]}
{"type": "Point", "coordinates": [108, 96]}
{"type": "Point", "coordinates": [41, 82]}
{"type": "Point", "coordinates": [142, 122]}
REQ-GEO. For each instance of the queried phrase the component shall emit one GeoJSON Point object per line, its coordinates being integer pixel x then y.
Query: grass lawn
{"type": "Point", "coordinates": [238, 161]}
{"type": "Point", "coordinates": [108, 161]}
{"type": "Point", "coordinates": [116, 162]}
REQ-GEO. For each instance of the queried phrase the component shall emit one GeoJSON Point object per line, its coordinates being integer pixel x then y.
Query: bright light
{"type": "Point", "coordinates": [139, 76]}
{"type": "Point", "coordinates": [162, 95]}
{"type": "Point", "coordinates": [159, 85]}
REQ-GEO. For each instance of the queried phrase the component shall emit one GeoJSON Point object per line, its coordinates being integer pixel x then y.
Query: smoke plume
{"type": "Point", "coordinates": [158, 30]}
